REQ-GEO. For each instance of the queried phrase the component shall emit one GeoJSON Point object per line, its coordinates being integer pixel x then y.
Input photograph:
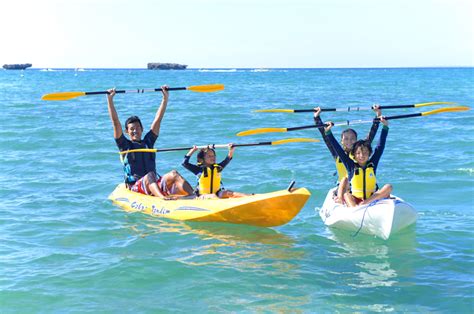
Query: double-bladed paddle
{"type": "Point", "coordinates": [70, 95]}
{"type": "Point", "coordinates": [279, 142]}
{"type": "Point", "coordinates": [350, 108]}
{"type": "Point", "coordinates": [419, 114]}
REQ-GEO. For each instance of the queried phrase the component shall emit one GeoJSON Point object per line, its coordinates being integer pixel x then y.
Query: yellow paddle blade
{"type": "Point", "coordinates": [206, 88]}
{"type": "Point", "coordinates": [434, 103]}
{"type": "Point", "coordinates": [138, 150]}
{"type": "Point", "coordinates": [295, 140]}
{"type": "Point", "coordinates": [276, 110]}
{"type": "Point", "coordinates": [262, 130]}
{"type": "Point", "coordinates": [447, 109]}
{"type": "Point", "coordinates": [62, 95]}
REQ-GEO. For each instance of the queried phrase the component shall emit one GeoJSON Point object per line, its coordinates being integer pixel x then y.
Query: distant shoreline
{"type": "Point", "coordinates": [264, 68]}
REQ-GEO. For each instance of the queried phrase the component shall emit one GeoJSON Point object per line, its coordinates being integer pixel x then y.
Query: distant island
{"type": "Point", "coordinates": [17, 66]}
{"type": "Point", "coordinates": [166, 66]}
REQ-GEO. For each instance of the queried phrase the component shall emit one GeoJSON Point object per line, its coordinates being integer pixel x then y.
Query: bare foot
{"type": "Point", "coordinates": [207, 196]}
{"type": "Point", "coordinates": [170, 198]}
{"type": "Point", "coordinates": [337, 200]}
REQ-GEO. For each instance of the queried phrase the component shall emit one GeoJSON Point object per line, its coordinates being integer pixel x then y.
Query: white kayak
{"type": "Point", "coordinates": [380, 218]}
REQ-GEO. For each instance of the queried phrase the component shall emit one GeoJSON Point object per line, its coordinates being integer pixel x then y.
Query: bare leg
{"type": "Point", "coordinates": [380, 194]}
{"type": "Point", "coordinates": [350, 200]}
{"type": "Point", "coordinates": [343, 188]}
{"type": "Point", "coordinates": [231, 194]}
{"type": "Point", "coordinates": [207, 196]}
{"type": "Point", "coordinates": [177, 184]}
{"type": "Point", "coordinates": [150, 183]}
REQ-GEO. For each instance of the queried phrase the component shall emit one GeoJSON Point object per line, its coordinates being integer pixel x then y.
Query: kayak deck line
{"type": "Point", "coordinates": [264, 210]}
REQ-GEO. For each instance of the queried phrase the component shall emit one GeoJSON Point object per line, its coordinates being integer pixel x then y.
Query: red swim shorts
{"type": "Point", "coordinates": [140, 187]}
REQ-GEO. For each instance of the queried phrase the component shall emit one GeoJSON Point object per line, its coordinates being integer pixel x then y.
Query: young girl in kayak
{"type": "Point", "coordinates": [209, 173]}
{"type": "Point", "coordinates": [362, 170]}
{"type": "Point", "coordinates": [348, 138]}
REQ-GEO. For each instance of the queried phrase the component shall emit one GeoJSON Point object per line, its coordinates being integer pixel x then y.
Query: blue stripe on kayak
{"type": "Point", "coordinates": [198, 209]}
{"type": "Point", "coordinates": [122, 199]}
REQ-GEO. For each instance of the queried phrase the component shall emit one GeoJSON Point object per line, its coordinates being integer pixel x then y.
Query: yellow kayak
{"type": "Point", "coordinates": [264, 210]}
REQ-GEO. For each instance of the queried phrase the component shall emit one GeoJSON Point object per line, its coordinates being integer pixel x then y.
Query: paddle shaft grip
{"type": "Point", "coordinates": [212, 146]}
{"type": "Point", "coordinates": [397, 106]}
{"type": "Point", "coordinates": [402, 116]}
{"type": "Point", "coordinates": [354, 108]}
{"type": "Point", "coordinates": [171, 88]}
{"type": "Point", "coordinates": [136, 91]}
{"type": "Point", "coordinates": [252, 144]}
{"type": "Point", "coordinates": [312, 110]}
{"type": "Point", "coordinates": [304, 127]}
{"type": "Point", "coordinates": [332, 109]}
{"type": "Point", "coordinates": [412, 115]}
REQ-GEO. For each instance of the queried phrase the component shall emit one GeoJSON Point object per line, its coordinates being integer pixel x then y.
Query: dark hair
{"type": "Point", "coordinates": [347, 131]}
{"type": "Point", "coordinates": [133, 119]}
{"type": "Point", "coordinates": [361, 143]}
{"type": "Point", "coordinates": [202, 153]}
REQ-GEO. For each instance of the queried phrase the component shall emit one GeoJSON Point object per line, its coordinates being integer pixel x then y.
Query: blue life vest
{"type": "Point", "coordinates": [137, 165]}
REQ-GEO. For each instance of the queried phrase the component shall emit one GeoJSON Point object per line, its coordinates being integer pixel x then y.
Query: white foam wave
{"type": "Point", "coordinates": [221, 70]}
{"type": "Point", "coordinates": [468, 170]}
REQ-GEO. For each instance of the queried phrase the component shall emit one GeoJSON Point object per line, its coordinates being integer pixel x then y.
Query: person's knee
{"type": "Point", "coordinates": [174, 174]}
{"type": "Point", "coordinates": [388, 188]}
{"type": "Point", "coordinates": [346, 195]}
{"type": "Point", "coordinates": [150, 177]}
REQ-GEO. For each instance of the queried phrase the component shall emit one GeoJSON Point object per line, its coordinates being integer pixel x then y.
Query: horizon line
{"type": "Point", "coordinates": [263, 68]}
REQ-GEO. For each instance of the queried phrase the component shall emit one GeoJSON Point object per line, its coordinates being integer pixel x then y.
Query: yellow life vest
{"type": "Point", "coordinates": [210, 179]}
{"type": "Point", "coordinates": [341, 169]}
{"type": "Point", "coordinates": [364, 182]}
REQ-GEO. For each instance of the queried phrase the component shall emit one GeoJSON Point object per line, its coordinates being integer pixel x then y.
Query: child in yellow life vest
{"type": "Point", "coordinates": [348, 138]}
{"type": "Point", "coordinates": [362, 170]}
{"type": "Point", "coordinates": [209, 173]}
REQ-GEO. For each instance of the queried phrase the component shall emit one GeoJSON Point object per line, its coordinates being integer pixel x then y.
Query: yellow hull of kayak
{"type": "Point", "coordinates": [264, 210]}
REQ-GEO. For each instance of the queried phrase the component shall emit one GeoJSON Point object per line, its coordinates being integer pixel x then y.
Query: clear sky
{"type": "Point", "coordinates": [237, 33]}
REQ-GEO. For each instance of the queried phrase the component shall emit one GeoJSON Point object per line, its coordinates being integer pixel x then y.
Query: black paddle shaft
{"type": "Point", "coordinates": [349, 123]}
{"type": "Point", "coordinates": [136, 91]}
{"type": "Point", "coordinates": [354, 108]}
{"type": "Point", "coordinates": [411, 115]}
{"type": "Point", "coordinates": [211, 146]}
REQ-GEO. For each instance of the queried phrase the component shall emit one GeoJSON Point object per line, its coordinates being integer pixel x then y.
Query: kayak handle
{"type": "Point", "coordinates": [292, 183]}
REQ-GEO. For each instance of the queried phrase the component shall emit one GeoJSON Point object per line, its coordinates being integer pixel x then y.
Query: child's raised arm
{"type": "Point", "coordinates": [231, 150]}
{"type": "Point", "coordinates": [229, 156]}
{"type": "Point", "coordinates": [322, 130]}
{"type": "Point", "coordinates": [189, 166]}
{"type": "Point", "coordinates": [375, 125]}
{"type": "Point", "coordinates": [381, 144]}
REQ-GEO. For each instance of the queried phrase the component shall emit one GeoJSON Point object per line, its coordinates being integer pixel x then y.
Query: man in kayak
{"type": "Point", "coordinates": [140, 168]}
{"type": "Point", "coordinates": [362, 168]}
{"type": "Point", "coordinates": [348, 138]}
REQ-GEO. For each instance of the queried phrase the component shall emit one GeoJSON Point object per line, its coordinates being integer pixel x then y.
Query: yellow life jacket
{"type": "Point", "coordinates": [341, 169]}
{"type": "Point", "coordinates": [210, 179]}
{"type": "Point", "coordinates": [364, 182]}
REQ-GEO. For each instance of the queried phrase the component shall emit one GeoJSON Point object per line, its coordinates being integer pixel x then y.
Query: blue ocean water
{"type": "Point", "coordinates": [65, 248]}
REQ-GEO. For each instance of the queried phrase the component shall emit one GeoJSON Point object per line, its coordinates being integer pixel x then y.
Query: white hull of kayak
{"type": "Point", "coordinates": [380, 218]}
